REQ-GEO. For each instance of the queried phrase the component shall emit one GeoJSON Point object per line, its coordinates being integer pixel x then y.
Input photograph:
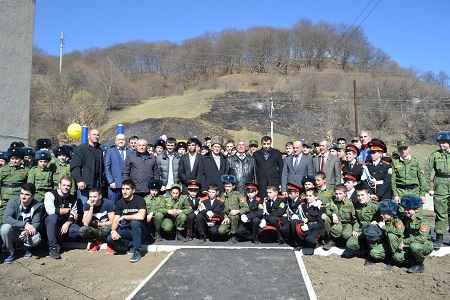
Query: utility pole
{"type": "Point", "coordinates": [355, 109]}
{"type": "Point", "coordinates": [271, 118]}
{"type": "Point", "coordinates": [61, 47]}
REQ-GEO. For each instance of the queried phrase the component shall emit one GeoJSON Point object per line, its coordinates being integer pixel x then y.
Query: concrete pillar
{"type": "Point", "coordinates": [16, 46]}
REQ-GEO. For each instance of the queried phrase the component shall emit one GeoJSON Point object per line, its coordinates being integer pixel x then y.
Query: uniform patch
{"type": "Point", "coordinates": [390, 171]}
{"type": "Point", "coordinates": [282, 204]}
{"type": "Point", "coordinates": [260, 206]}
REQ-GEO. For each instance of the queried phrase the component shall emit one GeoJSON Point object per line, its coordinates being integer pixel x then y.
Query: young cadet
{"type": "Point", "coordinates": [211, 215]}
{"type": "Point", "coordinates": [248, 228]}
{"type": "Point", "coordinates": [350, 182]}
{"type": "Point", "coordinates": [392, 231]}
{"type": "Point", "coordinates": [61, 166]}
{"type": "Point", "coordinates": [234, 207]}
{"type": "Point", "coordinates": [274, 209]}
{"type": "Point", "coordinates": [416, 244]}
{"type": "Point", "coordinates": [177, 213]}
{"type": "Point", "coordinates": [157, 207]}
{"type": "Point", "coordinates": [324, 194]}
{"type": "Point", "coordinates": [365, 211]}
{"type": "Point", "coordinates": [307, 224]}
{"type": "Point", "coordinates": [293, 202]}
{"type": "Point", "coordinates": [193, 198]}
{"type": "Point", "coordinates": [341, 212]}
{"type": "Point", "coordinates": [41, 175]}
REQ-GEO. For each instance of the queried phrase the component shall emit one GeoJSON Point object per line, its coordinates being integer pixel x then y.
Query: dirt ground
{"type": "Point", "coordinates": [338, 278]}
{"type": "Point", "coordinates": [78, 275]}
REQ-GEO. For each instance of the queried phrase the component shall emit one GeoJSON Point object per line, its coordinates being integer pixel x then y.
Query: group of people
{"type": "Point", "coordinates": [349, 194]}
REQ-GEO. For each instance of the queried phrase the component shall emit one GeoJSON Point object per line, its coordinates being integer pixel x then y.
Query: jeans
{"type": "Point", "coordinates": [131, 234]}
{"type": "Point", "coordinates": [10, 236]}
{"type": "Point", "coordinates": [53, 225]}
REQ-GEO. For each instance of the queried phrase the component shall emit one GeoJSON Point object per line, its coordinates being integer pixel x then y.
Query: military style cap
{"type": "Point", "coordinates": [63, 150]}
{"type": "Point", "coordinates": [155, 185]}
{"type": "Point", "coordinates": [16, 145]}
{"type": "Point", "coordinates": [292, 187]}
{"type": "Point", "coordinates": [334, 147]}
{"type": "Point", "coordinates": [203, 196]}
{"type": "Point", "coordinates": [207, 138]}
{"type": "Point", "coordinates": [160, 142]}
{"type": "Point", "coordinates": [16, 152]}
{"type": "Point", "coordinates": [253, 143]}
{"type": "Point", "coordinates": [377, 145]}
{"type": "Point", "coordinates": [28, 151]}
{"type": "Point", "coordinates": [352, 148]}
{"type": "Point", "coordinates": [388, 207]}
{"type": "Point", "coordinates": [402, 144]}
{"type": "Point", "coordinates": [193, 184]}
{"type": "Point", "coordinates": [443, 136]}
{"type": "Point", "coordinates": [251, 186]}
{"type": "Point", "coordinates": [315, 144]}
{"type": "Point", "coordinates": [227, 179]}
{"type": "Point", "coordinates": [411, 201]}
{"type": "Point", "coordinates": [181, 144]}
{"type": "Point", "coordinates": [306, 146]}
{"type": "Point", "coordinates": [217, 140]}
{"type": "Point", "coordinates": [43, 143]}
{"type": "Point", "coordinates": [194, 140]}
{"type": "Point", "coordinates": [308, 179]}
{"type": "Point", "coordinates": [350, 177]}
{"type": "Point", "coordinates": [372, 232]}
{"type": "Point", "coordinates": [42, 155]}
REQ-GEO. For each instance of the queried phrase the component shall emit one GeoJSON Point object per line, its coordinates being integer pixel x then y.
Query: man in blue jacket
{"type": "Point", "coordinates": [114, 163]}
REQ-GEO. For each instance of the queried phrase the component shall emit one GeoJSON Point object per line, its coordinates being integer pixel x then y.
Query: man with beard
{"type": "Point", "coordinates": [214, 166]}
{"type": "Point", "coordinates": [269, 165]}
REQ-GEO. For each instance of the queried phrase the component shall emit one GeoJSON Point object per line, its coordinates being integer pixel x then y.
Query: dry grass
{"type": "Point", "coordinates": [189, 105]}
{"type": "Point", "coordinates": [246, 135]}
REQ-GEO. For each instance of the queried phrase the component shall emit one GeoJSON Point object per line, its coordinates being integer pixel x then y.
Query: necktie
{"type": "Point", "coordinates": [321, 164]}
{"type": "Point", "coordinates": [122, 154]}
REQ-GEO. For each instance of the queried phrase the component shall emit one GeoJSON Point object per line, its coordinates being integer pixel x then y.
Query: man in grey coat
{"type": "Point", "coordinates": [328, 164]}
{"type": "Point", "coordinates": [168, 164]}
{"type": "Point", "coordinates": [141, 168]}
{"type": "Point", "coordinates": [22, 221]}
{"type": "Point", "coordinates": [296, 167]}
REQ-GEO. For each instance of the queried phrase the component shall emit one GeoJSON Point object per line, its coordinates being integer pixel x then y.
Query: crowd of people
{"type": "Point", "coordinates": [350, 193]}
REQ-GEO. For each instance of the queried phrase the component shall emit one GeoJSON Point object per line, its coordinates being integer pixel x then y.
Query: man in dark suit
{"type": "Point", "coordinates": [214, 166]}
{"type": "Point", "coordinates": [269, 165]}
{"type": "Point", "coordinates": [296, 167]}
{"type": "Point", "coordinates": [190, 163]}
{"type": "Point", "coordinates": [329, 164]}
{"type": "Point", "coordinates": [114, 163]}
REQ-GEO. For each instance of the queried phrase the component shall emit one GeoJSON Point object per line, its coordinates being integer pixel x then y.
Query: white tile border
{"type": "Point", "coordinates": [308, 284]}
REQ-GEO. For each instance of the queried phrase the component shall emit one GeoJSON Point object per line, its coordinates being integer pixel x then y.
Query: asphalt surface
{"type": "Point", "coordinates": [227, 274]}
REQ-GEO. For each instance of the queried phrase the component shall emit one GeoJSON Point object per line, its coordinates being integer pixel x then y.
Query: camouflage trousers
{"type": "Point", "coordinates": [91, 234]}
{"type": "Point", "coordinates": [167, 223]}
{"type": "Point", "coordinates": [232, 227]}
{"type": "Point", "coordinates": [414, 253]}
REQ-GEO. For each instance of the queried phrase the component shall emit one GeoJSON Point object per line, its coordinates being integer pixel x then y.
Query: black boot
{"type": "Point", "coordinates": [180, 236]}
{"type": "Point", "coordinates": [438, 241]}
{"type": "Point", "coordinates": [328, 245]}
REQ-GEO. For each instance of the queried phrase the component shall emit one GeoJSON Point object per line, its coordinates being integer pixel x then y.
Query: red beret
{"type": "Point", "coordinates": [192, 184]}
{"type": "Point", "coordinates": [293, 187]}
{"type": "Point", "coordinates": [352, 148]}
{"type": "Point", "coordinates": [350, 176]}
{"type": "Point", "coordinates": [251, 186]}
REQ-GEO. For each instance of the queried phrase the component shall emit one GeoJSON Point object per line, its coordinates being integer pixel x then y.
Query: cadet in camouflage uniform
{"type": "Point", "coordinates": [417, 243]}
{"type": "Point", "coordinates": [157, 207]}
{"type": "Point", "coordinates": [407, 174]}
{"type": "Point", "coordinates": [12, 176]}
{"type": "Point", "coordinates": [439, 167]}
{"type": "Point", "coordinates": [28, 157]}
{"type": "Point", "coordinates": [235, 205]}
{"type": "Point", "coordinates": [60, 165]}
{"type": "Point", "coordinates": [41, 175]}
{"type": "Point", "coordinates": [365, 211]}
{"type": "Point", "coordinates": [3, 158]}
{"type": "Point", "coordinates": [177, 213]}
{"type": "Point", "coordinates": [323, 193]}
{"type": "Point", "coordinates": [392, 232]}
{"type": "Point", "coordinates": [341, 212]}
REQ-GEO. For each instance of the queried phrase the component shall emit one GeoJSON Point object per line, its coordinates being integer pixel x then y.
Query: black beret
{"type": "Point", "coordinates": [411, 201]}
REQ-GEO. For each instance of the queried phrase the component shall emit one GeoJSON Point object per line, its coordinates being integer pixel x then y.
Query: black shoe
{"type": "Point", "coordinates": [438, 241]}
{"type": "Point", "coordinates": [202, 240]}
{"type": "Point", "coordinates": [328, 245]}
{"type": "Point", "coordinates": [135, 257]}
{"type": "Point", "coordinates": [180, 236]}
{"type": "Point", "coordinates": [416, 269]}
{"type": "Point", "coordinates": [53, 252]}
{"type": "Point", "coordinates": [308, 251]}
{"type": "Point", "coordinates": [234, 240]}
{"type": "Point", "coordinates": [348, 253]}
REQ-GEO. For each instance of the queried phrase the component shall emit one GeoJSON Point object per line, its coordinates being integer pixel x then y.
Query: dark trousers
{"type": "Point", "coordinates": [53, 225]}
{"type": "Point", "coordinates": [249, 230]}
{"type": "Point", "coordinates": [114, 194]}
{"type": "Point", "coordinates": [204, 229]}
{"type": "Point", "coordinates": [131, 235]}
{"type": "Point", "coordinates": [312, 235]}
{"type": "Point", "coordinates": [191, 223]}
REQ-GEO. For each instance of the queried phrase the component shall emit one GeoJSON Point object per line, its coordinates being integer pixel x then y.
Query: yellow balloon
{"type": "Point", "coordinates": [74, 131]}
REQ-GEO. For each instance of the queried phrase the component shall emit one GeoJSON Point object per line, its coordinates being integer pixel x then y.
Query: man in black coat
{"type": "Point", "coordinates": [189, 165]}
{"type": "Point", "coordinates": [86, 166]}
{"type": "Point", "coordinates": [269, 165]}
{"type": "Point", "coordinates": [214, 166]}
